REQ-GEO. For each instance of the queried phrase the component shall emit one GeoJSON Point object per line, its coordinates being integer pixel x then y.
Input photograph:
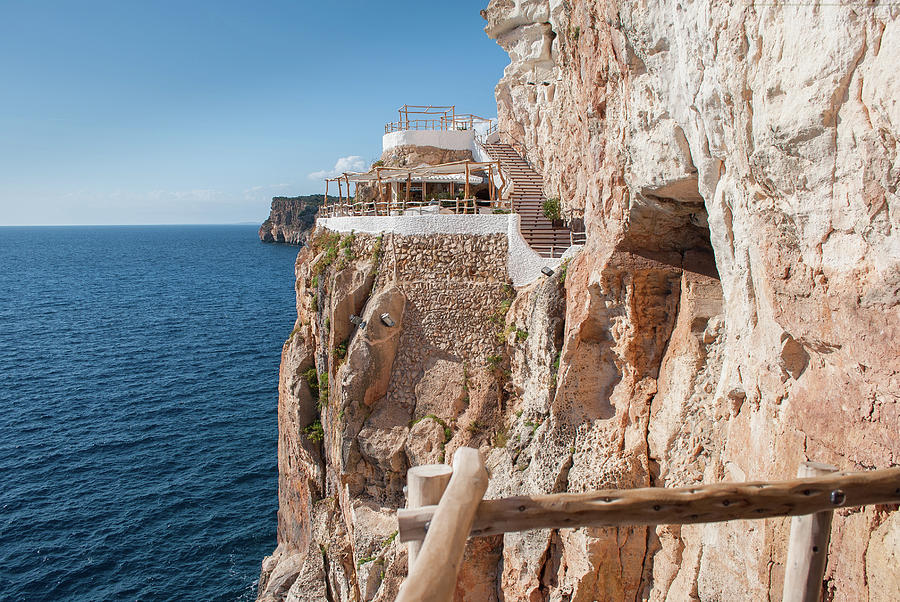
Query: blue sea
{"type": "Point", "coordinates": [138, 389]}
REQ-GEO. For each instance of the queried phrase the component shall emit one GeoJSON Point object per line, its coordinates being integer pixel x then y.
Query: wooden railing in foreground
{"type": "Point", "coordinates": [462, 513]}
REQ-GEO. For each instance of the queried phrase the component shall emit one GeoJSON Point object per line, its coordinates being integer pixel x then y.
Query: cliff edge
{"type": "Point", "coordinates": [290, 219]}
{"type": "Point", "coordinates": [733, 313]}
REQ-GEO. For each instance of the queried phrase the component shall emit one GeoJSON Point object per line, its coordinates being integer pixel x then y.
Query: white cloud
{"type": "Point", "coordinates": [349, 163]}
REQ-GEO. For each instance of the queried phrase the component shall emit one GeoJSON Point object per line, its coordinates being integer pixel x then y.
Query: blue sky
{"type": "Point", "coordinates": [131, 112]}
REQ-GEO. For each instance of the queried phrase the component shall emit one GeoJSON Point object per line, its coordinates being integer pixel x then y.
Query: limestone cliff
{"type": "Point", "coordinates": [290, 219]}
{"type": "Point", "coordinates": [736, 309]}
{"type": "Point", "coordinates": [733, 313]}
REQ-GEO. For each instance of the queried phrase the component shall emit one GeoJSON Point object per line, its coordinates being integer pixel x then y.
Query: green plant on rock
{"type": "Point", "coordinates": [521, 335]}
{"type": "Point", "coordinates": [499, 315]}
{"type": "Point", "coordinates": [552, 209]}
{"type": "Point", "coordinates": [389, 540]}
{"type": "Point", "coordinates": [563, 270]}
{"type": "Point", "coordinates": [312, 381]}
{"type": "Point", "coordinates": [476, 427]}
{"type": "Point", "coordinates": [340, 350]}
{"type": "Point", "coordinates": [376, 250]}
{"type": "Point", "coordinates": [314, 432]}
{"type": "Point", "coordinates": [448, 432]}
{"type": "Point", "coordinates": [328, 243]}
{"type": "Point", "coordinates": [500, 438]}
{"type": "Point", "coordinates": [323, 390]}
{"type": "Point", "coordinates": [494, 361]}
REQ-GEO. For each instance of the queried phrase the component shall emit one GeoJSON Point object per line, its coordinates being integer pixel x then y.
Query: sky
{"type": "Point", "coordinates": [200, 111]}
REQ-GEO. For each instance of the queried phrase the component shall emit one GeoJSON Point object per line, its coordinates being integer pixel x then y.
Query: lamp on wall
{"type": "Point", "coordinates": [387, 319]}
{"type": "Point", "coordinates": [357, 321]}
{"type": "Point", "coordinates": [546, 271]}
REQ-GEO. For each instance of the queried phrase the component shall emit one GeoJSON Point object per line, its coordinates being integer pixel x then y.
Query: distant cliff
{"type": "Point", "coordinates": [290, 219]}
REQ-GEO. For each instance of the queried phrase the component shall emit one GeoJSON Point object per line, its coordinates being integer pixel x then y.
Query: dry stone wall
{"type": "Point", "coordinates": [389, 397]}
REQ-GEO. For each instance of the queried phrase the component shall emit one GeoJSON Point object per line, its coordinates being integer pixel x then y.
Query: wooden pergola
{"type": "Point", "coordinates": [389, 183]}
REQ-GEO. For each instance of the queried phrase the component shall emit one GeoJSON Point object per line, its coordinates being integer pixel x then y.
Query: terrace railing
{"type": "Point", "coordinates": [431, 117]}
{"type": "Point", "coordinates": [442, 529]}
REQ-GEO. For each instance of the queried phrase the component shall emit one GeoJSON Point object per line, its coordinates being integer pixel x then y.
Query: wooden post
{"type": "Point", "coordinates": [380, 189]}
{"type": "Point", "coordinates": [425, 486]}
{"type": "Point", "coordinates": [408, 183]}
{"type": "Point", "coordinates": [349, 205]}
{"type": "Point", "coordinates": [467, 180]}
{"type": "Point", "coordinates": [423, 189]}
{"type": "Point", "coordinates": [808, 545]}
{"type": "Point", "coordinates": [433, 576]}
{"type": "Point", "coordinates": [491, 186]}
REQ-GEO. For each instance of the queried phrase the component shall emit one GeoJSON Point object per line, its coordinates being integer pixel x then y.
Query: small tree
{"type": "Point", "coordinates": [551, 208]}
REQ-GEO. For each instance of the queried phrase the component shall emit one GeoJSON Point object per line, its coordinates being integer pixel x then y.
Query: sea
{"type": "Point", "coordinates": [138, 392]}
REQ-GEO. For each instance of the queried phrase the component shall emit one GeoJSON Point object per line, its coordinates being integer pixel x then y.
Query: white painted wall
{"type": "Point", "coordinates": [522, 263]}
{"type": "Point", "coordinates": [447, 139]}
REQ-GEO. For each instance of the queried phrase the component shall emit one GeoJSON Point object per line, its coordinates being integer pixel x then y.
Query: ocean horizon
{"type": "Point", "coordinates": [138, 388]}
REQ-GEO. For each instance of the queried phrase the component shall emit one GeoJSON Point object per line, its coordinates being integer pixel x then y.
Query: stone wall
{"type": "Point", "coordinates": [397, 396]}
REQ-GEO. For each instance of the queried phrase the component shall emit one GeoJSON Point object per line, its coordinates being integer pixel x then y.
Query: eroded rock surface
{"type": "Point", "coordinates": [735, 310]}
{"type": "Point", "coordinates": [290, 219]}
{"type": "Point", "coordinates": [733, 313]}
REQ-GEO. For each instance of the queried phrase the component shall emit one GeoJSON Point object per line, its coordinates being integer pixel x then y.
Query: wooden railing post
{"type": "Point", "coordinates": [433, 576]}
{"type": "Point", "coordinates": [424, 487]}
{"type": "Point", "coordinates": [808, 545]}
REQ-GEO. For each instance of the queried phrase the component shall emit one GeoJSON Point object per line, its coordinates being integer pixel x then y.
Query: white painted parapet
{"type": "Point", "coordinates": [446, 139]}
{"type": "Point", "coordinates": [522, 263]}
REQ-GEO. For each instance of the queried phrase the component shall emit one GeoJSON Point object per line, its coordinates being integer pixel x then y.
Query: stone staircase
{"type": "Point", "coordinates": [527, 200]}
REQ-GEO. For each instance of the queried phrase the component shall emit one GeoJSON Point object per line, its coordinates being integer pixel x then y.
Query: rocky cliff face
{"type": "Point", "coordinates": [736, 309]}
{"type": "Point", "coordinates": [734, 312]}
{"type": "Point", "coordinates": [290, 219]}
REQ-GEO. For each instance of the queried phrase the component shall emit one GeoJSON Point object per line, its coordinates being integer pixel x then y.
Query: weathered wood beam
{"type": "Point", "coordinates": [425, 486]}
{"type": "Point", "coordinates": [807, 546]}
{"type": "Point", "coordinates": [433, 576]}
{"type": "Point", "coordinates": [659, 506]}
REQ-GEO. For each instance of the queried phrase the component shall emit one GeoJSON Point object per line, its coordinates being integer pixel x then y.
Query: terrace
{"type": "Point", "coordinates": [477, 176]}
{"type": "Point", "coordinates": [461, 187]}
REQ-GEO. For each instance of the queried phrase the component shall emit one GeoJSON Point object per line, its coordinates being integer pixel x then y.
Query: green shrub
{"type": "Point", "coordinates": [521, 335]}
{"type": "Point", "coordinates": [323, 390]}
{"type": "Point", "coordinates": [314, 432]}
{"type": "Point", "coordinates": [552, 209]}
{"type": "Point", "coordinates": [312, 381]}
{"type": "Point", "coordinates": [494, 360]}
{"type": "Point", "coordinates": [340, 351]}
